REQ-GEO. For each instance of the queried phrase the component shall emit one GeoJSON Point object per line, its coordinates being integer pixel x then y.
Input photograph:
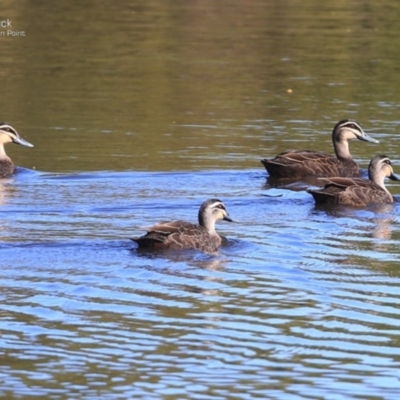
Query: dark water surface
{"type": "Point", "coordinates": [139, 112]}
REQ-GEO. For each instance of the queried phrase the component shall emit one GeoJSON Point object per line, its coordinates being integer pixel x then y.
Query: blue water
{"type": "Point", "coordinates": [301, 302]}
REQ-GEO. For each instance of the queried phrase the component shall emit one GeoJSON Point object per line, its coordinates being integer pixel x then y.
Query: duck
{"type": "Point", "coordinates": [9, 135]}
{"type": "Point", "coordinates": [357, 191]}
{"type": "Point", "coordinates": [180, 234]}
{"type": "Point", "coordinates": [302, 163]}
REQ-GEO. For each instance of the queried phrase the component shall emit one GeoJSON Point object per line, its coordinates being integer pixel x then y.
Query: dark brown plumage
{"type": "Point", "coordinates": [301, 163]}
{"type": "Point", "coordinates": [185, 235]}
{"type": "Point", "coordinates": [8, 135]}
{"type": "Point", "coordinates": [357, 191]}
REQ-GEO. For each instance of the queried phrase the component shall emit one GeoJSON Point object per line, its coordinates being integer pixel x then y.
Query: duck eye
{"type": "Point", "coordinates": [351, 125]}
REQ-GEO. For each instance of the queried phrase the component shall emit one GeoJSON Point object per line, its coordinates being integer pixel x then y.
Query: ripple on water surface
{"type": "Point", "coordinates": [302, 301]}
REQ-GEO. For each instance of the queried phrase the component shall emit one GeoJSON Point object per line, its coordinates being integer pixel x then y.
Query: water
{"type": "Point", "coordinates": [138, 114]}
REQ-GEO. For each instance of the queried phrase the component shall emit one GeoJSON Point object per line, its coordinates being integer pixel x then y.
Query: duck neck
{"type": "Point", "coordinates": [209, 224]}
{"type": "Point", "coordinates": [341, 147]}
{"type": "Point", "coordinates": [378, 180]}
{"type": "Point", "coordinates": [2, 151]}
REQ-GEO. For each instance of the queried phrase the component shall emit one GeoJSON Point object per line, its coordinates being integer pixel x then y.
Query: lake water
{"type": "Point", "coordinates": [140, 112]}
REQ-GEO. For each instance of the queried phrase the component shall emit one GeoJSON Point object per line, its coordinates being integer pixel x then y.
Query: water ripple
{"type": "Point", "coordinates": [299, 300]}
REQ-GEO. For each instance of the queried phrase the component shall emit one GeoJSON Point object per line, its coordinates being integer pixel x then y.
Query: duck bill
{"type": "Point", "coordinates": [229, 219]}
{"type": "Point", "coordinates": [22, 142]}
{"type": "Point", "coordinates": [367, 138]}
{"type": "Point", "coordinates": [394, 177]}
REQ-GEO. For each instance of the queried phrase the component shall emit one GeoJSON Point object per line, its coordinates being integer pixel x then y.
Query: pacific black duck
{"type": "Point", "coordinates": [8, 135]}
{"type": "Point", "coordinates": [301, 163]}
{"type": "Point", "coordinates": [357, 191]}
{"type": "Point", "coordinates": [185, 235]}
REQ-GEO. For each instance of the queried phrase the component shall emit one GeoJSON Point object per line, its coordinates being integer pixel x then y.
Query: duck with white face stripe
{"type": "Point", "coordinates": [180, 234]}
{"type": "Point", "coordinates": [302, 163]}
{"type": "Point", "coordinates": [357, 191]}
{"type": "Point", "coordinates": [9, 135]}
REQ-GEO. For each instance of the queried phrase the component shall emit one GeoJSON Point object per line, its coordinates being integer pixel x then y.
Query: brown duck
{"type": "Point", "coordinates": [357, 191]}
{"type": "Point", "coordinates": [8, 135]}
{"type": "Point", "coordinates": [185, 235]}
{"type": "Point", "coordinates": [301, 163]}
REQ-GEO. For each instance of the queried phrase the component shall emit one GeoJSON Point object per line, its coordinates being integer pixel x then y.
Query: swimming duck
{"type": "Point", "coordinates": [8, 135]}
{"type": "Point", "coordinates": [300, 163]}
{"type": "Point", "coordinates": [357, 191]}
{"type": "Point", "coordinates": [185, 235]}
